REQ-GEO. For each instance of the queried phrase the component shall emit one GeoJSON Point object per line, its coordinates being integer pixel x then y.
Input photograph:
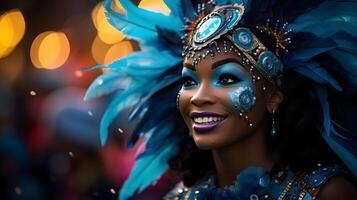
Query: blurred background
{"type": "Point", "coordinates": [49, 144]}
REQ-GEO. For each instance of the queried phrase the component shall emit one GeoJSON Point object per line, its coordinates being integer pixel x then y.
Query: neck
{"type": "Point", "coordinates": [231, 160]}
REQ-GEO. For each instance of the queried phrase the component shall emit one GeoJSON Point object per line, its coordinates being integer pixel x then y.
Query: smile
{"type": "Point", "coordinates": [206, 121]}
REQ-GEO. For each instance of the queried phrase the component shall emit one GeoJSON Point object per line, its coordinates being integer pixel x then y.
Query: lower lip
{"type": "Point", "coordinates": [201, 128]}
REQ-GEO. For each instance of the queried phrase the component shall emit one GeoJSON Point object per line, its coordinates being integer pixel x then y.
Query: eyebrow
{"type": "Point", "coordinates": [224, 61]}
{"type": "Point", "coordinates": [191, 67]}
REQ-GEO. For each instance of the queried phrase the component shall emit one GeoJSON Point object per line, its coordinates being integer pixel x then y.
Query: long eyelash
{"type": "Point", "coordinates": [184, 79]}
{"type": "Point", "coordinates": [229, 76]}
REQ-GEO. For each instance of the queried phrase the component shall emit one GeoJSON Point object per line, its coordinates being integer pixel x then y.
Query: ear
{"type": "Point", "coordinates": [274, 99]}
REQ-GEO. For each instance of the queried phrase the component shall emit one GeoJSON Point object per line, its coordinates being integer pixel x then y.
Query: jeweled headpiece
{"type": "Point", "coordinates": [223, 22]}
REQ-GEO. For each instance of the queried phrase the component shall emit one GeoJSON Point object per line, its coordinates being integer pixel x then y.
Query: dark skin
{"type": "Point", "coordinates": [234, 138]}
{"type": "Point", "coordinates": [246, 144]}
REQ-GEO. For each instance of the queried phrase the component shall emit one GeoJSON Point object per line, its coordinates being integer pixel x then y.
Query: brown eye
{"type": "Point", "coordinates": [227, 79]}
{"type": "Point", "coordinates": [188, 82]}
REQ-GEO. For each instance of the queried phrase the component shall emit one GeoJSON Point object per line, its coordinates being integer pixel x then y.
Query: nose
{"type": "Point", "coordinates": [203, 96]}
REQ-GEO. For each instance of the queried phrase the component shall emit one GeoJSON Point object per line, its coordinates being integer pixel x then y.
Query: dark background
{"type": "Point", "coordinates": [49, 144]}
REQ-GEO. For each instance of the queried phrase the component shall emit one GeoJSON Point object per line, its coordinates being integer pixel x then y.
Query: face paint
{"type": "Point", "coordinates": [189, 79]}
{"type": "Point", "coordinates": [243, 98]}
{"type": "Point", "coordinates": [232, 75]}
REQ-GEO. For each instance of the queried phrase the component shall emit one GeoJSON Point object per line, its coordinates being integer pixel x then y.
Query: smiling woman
{"type": "Point", "coordinates": [217, 97]}
{"type": "Point", "coordinates": [253, 119]}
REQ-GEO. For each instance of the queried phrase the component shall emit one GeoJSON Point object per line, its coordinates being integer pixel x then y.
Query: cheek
{"type": "Point", "coordinates": [242, 99]}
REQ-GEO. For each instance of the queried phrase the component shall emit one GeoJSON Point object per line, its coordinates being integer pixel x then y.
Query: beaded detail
{"type": "Point", "coordinates": [283, 186]}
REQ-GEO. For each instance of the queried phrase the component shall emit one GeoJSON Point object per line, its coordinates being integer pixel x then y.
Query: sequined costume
{"type": "Point", "coordinates": [283, 185]}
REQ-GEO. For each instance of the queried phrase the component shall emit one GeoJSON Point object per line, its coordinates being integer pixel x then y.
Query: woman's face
{"type": "Point", "coordinates": [219, 102]}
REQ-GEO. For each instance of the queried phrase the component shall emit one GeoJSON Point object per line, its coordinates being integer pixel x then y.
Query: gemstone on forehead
{"type": "Point", "coordinates": [244, 38]}
{"type": "Point", "coordinates": [221, 20]}
{"type": "Point", "coordinates": [208, 28]}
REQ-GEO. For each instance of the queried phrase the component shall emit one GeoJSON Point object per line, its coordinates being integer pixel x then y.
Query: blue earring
{"type": "Point", "coordinates": [273, 131]}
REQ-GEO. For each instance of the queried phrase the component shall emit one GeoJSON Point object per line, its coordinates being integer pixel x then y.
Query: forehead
{"type": "Point", "coordinates": [223, 52]}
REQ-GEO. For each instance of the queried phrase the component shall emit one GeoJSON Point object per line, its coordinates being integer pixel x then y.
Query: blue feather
{"type": "Point", "coordinates": [317, 73]}
{"type": "Point", "coordinates": [116, 105]}
{"type": "Point", "coordinates": [148, 169]}
{"type": "Point", "coordinates": [157, 86]}
{"type": "Point", "coordinates": [132, 29]}
{"type": "Point", "coordinates": [176, 8]}
{"type": "Point", "coordinates": [138, 23]}
{"type": "Point", "coordinates": [319, 20]}
{"type": "Point", "coordinates": [332, 138]}
{"type": "Point", "coordinates": [109, 82]}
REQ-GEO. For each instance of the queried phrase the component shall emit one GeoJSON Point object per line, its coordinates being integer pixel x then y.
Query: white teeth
{"type": "Point", "coordinates": [207, 119]}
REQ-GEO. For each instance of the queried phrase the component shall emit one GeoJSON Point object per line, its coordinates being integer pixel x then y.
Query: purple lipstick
{"type": "Point", "coordinates": [206, 121]}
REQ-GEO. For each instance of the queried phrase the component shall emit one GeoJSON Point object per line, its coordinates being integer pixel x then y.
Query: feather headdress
{"type": "Point", "coordinates": [146, 82]}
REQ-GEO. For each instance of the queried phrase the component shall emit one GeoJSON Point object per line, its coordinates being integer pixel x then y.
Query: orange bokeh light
{"type": "Point", "coordinates": [50, 50]}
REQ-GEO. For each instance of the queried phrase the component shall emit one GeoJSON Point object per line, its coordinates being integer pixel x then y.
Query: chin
{"type": "Point", "coordinates": [207, 142]}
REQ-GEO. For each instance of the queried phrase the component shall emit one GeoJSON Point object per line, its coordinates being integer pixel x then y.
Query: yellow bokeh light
{"type": "Point", "coordinates": [155, 5]}
{"type": "Point", "coordinates": [50, 50]}
{"type": "Point", "coordinates": [117, 51]}
{"type": "Point", "coordinates": [98, 14]}
{"type": "Point", "coordinates": [106, 32]}
{"type": "Point", "coordinates": [5, 50]}
{"type": "Point", "coordinates": [99, 49]}
{"type": "Point", "coordinates": [12, 26]}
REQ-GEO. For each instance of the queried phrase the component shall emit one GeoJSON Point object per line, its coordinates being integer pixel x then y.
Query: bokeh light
{"type": "Point", "coordinates": [155, 5]}
{"type": "Point", "coordinates": [105, 54]}
{"type": "Point", "coordinates": [50, 50]}
{"type": "Point", "coordinates": [106, 32]}
{"type": "Point", "coordinates": [12, 26]}
{"type": "Point", "coordinates": [99, 49]}
{"type": "Point", "coordinates": [117, 51]}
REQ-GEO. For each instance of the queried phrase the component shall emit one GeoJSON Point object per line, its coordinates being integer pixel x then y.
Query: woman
{"type": "Point", "coordinates": [266, 94]}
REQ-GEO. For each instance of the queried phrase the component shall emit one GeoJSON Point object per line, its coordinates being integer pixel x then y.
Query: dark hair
{"type": "Point", "coordinates": [298, 144]}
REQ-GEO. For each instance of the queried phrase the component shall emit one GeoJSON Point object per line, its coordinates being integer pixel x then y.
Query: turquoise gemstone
{"type": "Point", "coordinates": [234, 19]}
{"type": "Point", "coordinates": [208, 28]}
{"type": "Point", "coordinates": [269, 64]}
{"type": "Point", "coordinates": [243, 38]}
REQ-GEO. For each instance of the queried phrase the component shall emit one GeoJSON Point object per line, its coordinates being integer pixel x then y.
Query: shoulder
{"type": "Point", "coordinates": [338, 187]}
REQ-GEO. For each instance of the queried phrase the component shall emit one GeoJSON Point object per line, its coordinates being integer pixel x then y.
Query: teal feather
{"type": "Point", "coordinates": [148, 169]}
{"type": "Point", "coordinates": [138, 23]}
{"type": "Point", "coordinates": [117, 104]}
{"type": "Point", "coordinates": [114, 80]}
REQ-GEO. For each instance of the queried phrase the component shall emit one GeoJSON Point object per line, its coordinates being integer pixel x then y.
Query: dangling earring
{"type": "Point", "coordinates": [273, 131]}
